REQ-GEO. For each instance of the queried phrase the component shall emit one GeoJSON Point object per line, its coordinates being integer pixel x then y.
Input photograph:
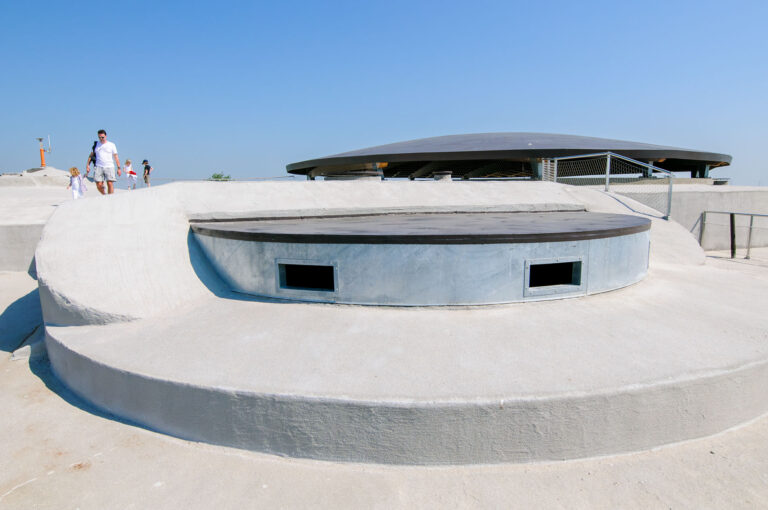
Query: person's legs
{"type": "Point", "coordinates": [109, 174]}
{"type": "Point", "coordinates": [98, 178]}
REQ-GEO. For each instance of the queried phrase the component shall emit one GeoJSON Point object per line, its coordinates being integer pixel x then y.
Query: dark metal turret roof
{"type": "Point", "coordinates": [496, 155]}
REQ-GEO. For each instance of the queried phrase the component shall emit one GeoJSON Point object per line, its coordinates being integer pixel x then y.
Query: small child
{"type": "Point", "coordinates": [130, 174]}
{"type": "Point", "coordinates": [147, 170]}
{"type": "Point", "coordinates": [76, 183]}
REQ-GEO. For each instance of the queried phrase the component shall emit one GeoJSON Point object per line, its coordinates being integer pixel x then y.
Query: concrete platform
{"type": "Point", "coordinates": [60, 453]}
{"type": "Point", "coordinates": [499, 384]}
{"type": "Point", "coordinates": [27, 200]}
{"type": "Point", "coordinates": [160, 341]}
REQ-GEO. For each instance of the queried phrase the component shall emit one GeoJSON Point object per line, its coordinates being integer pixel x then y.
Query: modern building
{"type": "Point", "coordinates": [495, 155]}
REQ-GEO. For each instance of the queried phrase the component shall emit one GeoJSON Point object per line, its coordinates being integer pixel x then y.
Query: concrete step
{"type": "Point", "coordinates": [622, 371]}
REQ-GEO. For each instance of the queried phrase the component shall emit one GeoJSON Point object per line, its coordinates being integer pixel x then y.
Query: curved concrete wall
{"type": "Point", "coordinates": [131, 257]}
{"type": "Point", "coordinates": [18, 243]}
{"type": "Point", "coordinates": [551, 427]}
{"type": "Point", "coordinates": [690, 200]}
{"type": "Point", "coordinates": [135, 259]}
{"type": "Point", "coordinates": [429, 274]}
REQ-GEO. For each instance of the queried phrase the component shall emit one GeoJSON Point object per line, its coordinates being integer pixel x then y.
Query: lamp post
{"type": "Point", "coordinates": [43, 151]}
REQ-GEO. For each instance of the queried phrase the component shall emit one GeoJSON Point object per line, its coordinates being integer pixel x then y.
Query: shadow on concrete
{"type": "Point", "coordinates": [204, 270]}
{"type": "Point", "coordinates": [32, 269]}
{"type": "Point", "coordinates": [41, 368]}
{"type": "Point", "coordinates": [19, 320]}
{"type": "Point", "coordinates": [658, 215]}
{"type": "Point", "coordinates": [211, 279]}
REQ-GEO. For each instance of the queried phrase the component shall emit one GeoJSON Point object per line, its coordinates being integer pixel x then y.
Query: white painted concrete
{"type": "Point", "coordinates": [690, 200]}
{"type": "Point", "coordinates": [19, 309]}
{"type": "Point", "coordinates": [27, 200]}
{"type": "Point", "coordinates": [162, 341]}
{"type": "Point", "coordinates": [59, 453]}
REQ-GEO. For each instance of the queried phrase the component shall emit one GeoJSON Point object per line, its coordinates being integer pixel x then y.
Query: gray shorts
{"type": "Point", "coordinates": [104, 173]}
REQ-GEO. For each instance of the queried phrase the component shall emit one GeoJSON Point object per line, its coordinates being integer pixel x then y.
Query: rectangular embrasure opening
{"type": "Point", "coordinates": [559, 273]}
{"type": "Point", "coordinates": [306, 277]}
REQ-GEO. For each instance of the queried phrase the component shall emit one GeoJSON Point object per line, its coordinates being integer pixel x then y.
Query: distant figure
{"type": "Point", "coordinates": [130, 174]}
{"type": "Point", "coordinates": [147, 171]}
{"type": "Point", "coordinates": [76, 183]}
{"type": "Point", "coordinates": [105, 152]}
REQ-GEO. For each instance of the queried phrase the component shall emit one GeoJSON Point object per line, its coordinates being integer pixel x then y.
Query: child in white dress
{"type": "Point", "coordinates": [76, 183]}
{"type": "Point", "coordinates": [131, 174]}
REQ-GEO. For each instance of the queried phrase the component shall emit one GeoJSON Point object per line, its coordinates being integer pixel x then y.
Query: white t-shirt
{"type": "Point", "coordinates": [104, 153]}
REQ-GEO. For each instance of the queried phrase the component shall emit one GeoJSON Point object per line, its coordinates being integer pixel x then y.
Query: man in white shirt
{"type": "Point", "coordinates": [103, 155]}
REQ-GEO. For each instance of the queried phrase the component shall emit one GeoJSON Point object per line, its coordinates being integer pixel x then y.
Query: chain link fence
{"type": "Point", "coordinates": [614, 173]}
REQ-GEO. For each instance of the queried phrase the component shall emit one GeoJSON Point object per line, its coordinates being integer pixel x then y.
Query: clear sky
{"type": "Point", "coordinates": [247, 87]}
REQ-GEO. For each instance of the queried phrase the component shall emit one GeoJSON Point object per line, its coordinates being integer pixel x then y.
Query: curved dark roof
{"type": "Point", "coordinates": [497, 154]}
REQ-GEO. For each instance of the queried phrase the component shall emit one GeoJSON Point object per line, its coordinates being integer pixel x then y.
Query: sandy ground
{"type": "Point", "coordinates": [58, 452]}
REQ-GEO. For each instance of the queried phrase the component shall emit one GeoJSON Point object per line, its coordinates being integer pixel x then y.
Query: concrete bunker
{"type": "Point", "coordinates": [178, 351]}
{"type": "Point", "coordinates": [429, 259]}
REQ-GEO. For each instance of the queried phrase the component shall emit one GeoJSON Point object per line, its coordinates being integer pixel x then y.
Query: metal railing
{"type": "Point", "coordinates": [616, 173]}
{"type": "Point", "coordinates": [732, 228]}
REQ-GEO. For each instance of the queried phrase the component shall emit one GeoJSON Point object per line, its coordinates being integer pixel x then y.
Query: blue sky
{"type": "Point", "coordinates": [247, 87]}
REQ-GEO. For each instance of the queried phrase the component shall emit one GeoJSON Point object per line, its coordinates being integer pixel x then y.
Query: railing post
{"type": "Point", "coordinates": [669, 198]}
{"type": "Point", "coordinates": [733, 235]}
{"type": "Point", "coordinates": [701, 228]}
{"type": "Point", "coordinates": [608, 173]}
{"type": "Point", "coordinates": [749, 236]}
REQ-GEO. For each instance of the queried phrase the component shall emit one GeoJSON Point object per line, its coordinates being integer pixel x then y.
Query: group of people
{"type": "Point", "coordinates": [104, 158]}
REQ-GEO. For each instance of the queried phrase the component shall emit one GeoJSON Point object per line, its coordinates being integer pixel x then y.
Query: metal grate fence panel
{"type": "Point", "coordinates": [614, 173]}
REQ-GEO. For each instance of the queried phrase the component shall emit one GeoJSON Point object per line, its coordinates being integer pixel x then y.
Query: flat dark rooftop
{"type": "Point", "coordinates": [497, 155]}
{"type": "Point", "coordinates": [476, 228]}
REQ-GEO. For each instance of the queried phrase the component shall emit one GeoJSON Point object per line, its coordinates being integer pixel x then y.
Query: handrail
{"type": "Point", "coordinates": [610, 155]}
{"type": "Point", "coordinates": [615, 155]}
{"type": "Point", "coordinates": [732, 225]}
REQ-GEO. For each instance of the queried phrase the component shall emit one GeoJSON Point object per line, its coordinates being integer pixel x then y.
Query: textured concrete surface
{"type": "Point", "coordinates": [27, 200]}
{"type": "Point", "coordinates": [59, 453]}
{"type": "Point", "coordinates": [20, 312]}
{"type": "Point", "coordinates": [160, 338]}
{"type": "Point", "coordinates": [690, 200]}
{"type": "Point", "coordinates": [429, 274]}
{"type": "Point", "coordinates": [627, 375]}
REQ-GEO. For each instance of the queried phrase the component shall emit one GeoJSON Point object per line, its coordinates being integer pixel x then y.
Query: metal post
{"type": "Point", "coordinates": [733, 235]}
{"type": "Point", "coordinates": [669, 199]}
{"type": "Point", "coordinates": [608, 173]}
{"type": "Point", "coordinates": [749, 236]}
{"type": "Point", "coordinates": [555, 171]}
{"type": "Point", "coordinates": [701, 228]}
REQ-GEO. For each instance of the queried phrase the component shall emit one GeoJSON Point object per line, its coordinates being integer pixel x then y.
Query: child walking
{"type": "Point", "coordinates": [129, 172]}
{"type": "Point", "coordinates": [76, 183]}
{"type": "Point", "coordinates": [147, 170]}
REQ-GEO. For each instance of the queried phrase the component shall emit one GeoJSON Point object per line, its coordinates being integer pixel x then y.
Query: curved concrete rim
{"type": "Point", "coordinates": [613, 372]}
{"type": "Point", "coordinates": [483, 432]}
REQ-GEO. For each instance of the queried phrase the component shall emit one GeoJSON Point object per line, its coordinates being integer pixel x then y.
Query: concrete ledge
{"type": "Point", "coordinates": [603, 374]}
{"type": "Point", "coordinates": [18, 244]}
{"type": "Point", "coordinates": [571, 425]}
{"type": "Point", "coordinates": [148, 331]}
